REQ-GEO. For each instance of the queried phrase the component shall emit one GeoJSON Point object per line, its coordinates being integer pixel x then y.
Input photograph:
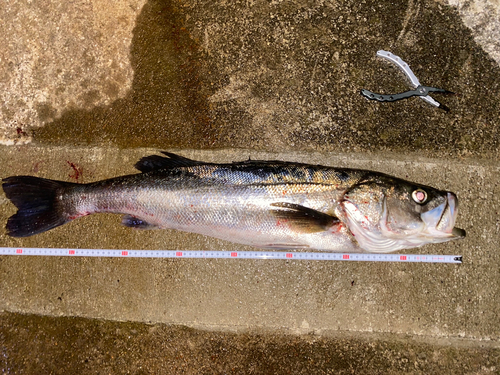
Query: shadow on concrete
{"type": "Point", "coordinates": [292, 76]}
{"type": "Point", "coordinates": [167, 103]}
{"type": "Point", "coordinates": [37, 344]}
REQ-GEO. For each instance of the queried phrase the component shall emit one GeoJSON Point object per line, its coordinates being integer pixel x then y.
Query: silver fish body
{"type": "Point", "coordinates": [267, 204]}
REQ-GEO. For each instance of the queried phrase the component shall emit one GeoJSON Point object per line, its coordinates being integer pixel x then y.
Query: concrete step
{"type": "Point", "coordinates": [438, 300]}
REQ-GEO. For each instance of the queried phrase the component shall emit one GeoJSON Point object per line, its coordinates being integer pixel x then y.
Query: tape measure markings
{"type": "Point", "coordinates": [197, 254]}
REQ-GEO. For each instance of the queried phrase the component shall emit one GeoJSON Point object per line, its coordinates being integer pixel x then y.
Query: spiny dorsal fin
{"type": "Point", "coordinates": [156, 162]}
{"type": "Point", "coordinates": [303, 219]}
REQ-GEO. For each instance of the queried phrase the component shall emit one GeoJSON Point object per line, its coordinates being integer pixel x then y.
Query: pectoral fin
{"type": "Point", "coordinates": [303, 219]}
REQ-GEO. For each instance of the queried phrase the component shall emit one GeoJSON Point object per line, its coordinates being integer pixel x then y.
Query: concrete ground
{"type": "Point", "coordinates": [90, 87]}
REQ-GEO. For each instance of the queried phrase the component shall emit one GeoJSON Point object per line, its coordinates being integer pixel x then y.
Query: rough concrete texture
{"type": "Point", "coordinates": [434, 300]}
{"type": "Point", "coordinates": [81, 346]}
{"type": "Point", "coordinates": [287, 76]}
{"type": "Point", "coordinates": [482, 17]}
{"type": "Point", "coordinates": [222, 81]}
{"type": "Point", "coordinates": [57, 55]}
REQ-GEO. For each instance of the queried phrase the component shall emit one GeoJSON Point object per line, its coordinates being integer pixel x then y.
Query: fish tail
{"type": "Point", "coordinates": [38, 206]}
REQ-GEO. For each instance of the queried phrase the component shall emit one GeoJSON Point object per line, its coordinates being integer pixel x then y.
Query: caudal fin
{"type": "Point", "coordinates": [39, 209]}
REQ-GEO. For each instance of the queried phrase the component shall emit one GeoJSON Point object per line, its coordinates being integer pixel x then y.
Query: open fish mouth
{"type": "Point", "coordinates": [440, 221]}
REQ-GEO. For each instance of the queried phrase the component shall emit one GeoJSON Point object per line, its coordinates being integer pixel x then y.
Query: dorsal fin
{"type": "Point", "coordinates": [156, 162]}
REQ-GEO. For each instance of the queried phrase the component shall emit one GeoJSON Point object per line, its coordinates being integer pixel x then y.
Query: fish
{"type": "Point", "coordinates": [265, 204]}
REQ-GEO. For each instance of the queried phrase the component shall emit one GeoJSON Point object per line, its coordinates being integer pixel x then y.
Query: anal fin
{"type": "Point", "coordinates": [134, 222]}
{"type": "Point", "coordinates": [284, 246]}
{"type": "Point", "coordinates": [303, 219]}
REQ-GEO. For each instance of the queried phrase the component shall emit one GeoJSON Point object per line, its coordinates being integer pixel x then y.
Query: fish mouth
{"type": "Point", "coordinates": [440, 221]}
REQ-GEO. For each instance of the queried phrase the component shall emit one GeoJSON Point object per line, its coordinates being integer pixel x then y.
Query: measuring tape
{"type": "Point", "coordinates": [196, 254]}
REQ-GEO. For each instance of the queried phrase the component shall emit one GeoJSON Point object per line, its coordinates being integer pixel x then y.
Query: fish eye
{"type": "Point", "coordinates": [419, 195]}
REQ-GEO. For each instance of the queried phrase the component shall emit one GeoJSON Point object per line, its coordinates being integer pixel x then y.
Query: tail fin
{"type": "Point", "coordinates": [38, 206]}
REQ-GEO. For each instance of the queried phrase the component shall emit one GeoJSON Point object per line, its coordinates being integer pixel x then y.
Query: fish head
{"type": "Point", "coordinates": [386, 214]}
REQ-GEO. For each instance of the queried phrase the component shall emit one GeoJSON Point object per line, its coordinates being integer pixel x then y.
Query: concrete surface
{"type": "Point", "coordinates": [482, 17]}
{"type": "Point", "coordinates": [440, 300]}
{"type": "Point", "coordinates": [223, 81]}
{"type": "Point", "coordinates": [70, 345]}
{"type": "Point", "coordinates": [57, 55]}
